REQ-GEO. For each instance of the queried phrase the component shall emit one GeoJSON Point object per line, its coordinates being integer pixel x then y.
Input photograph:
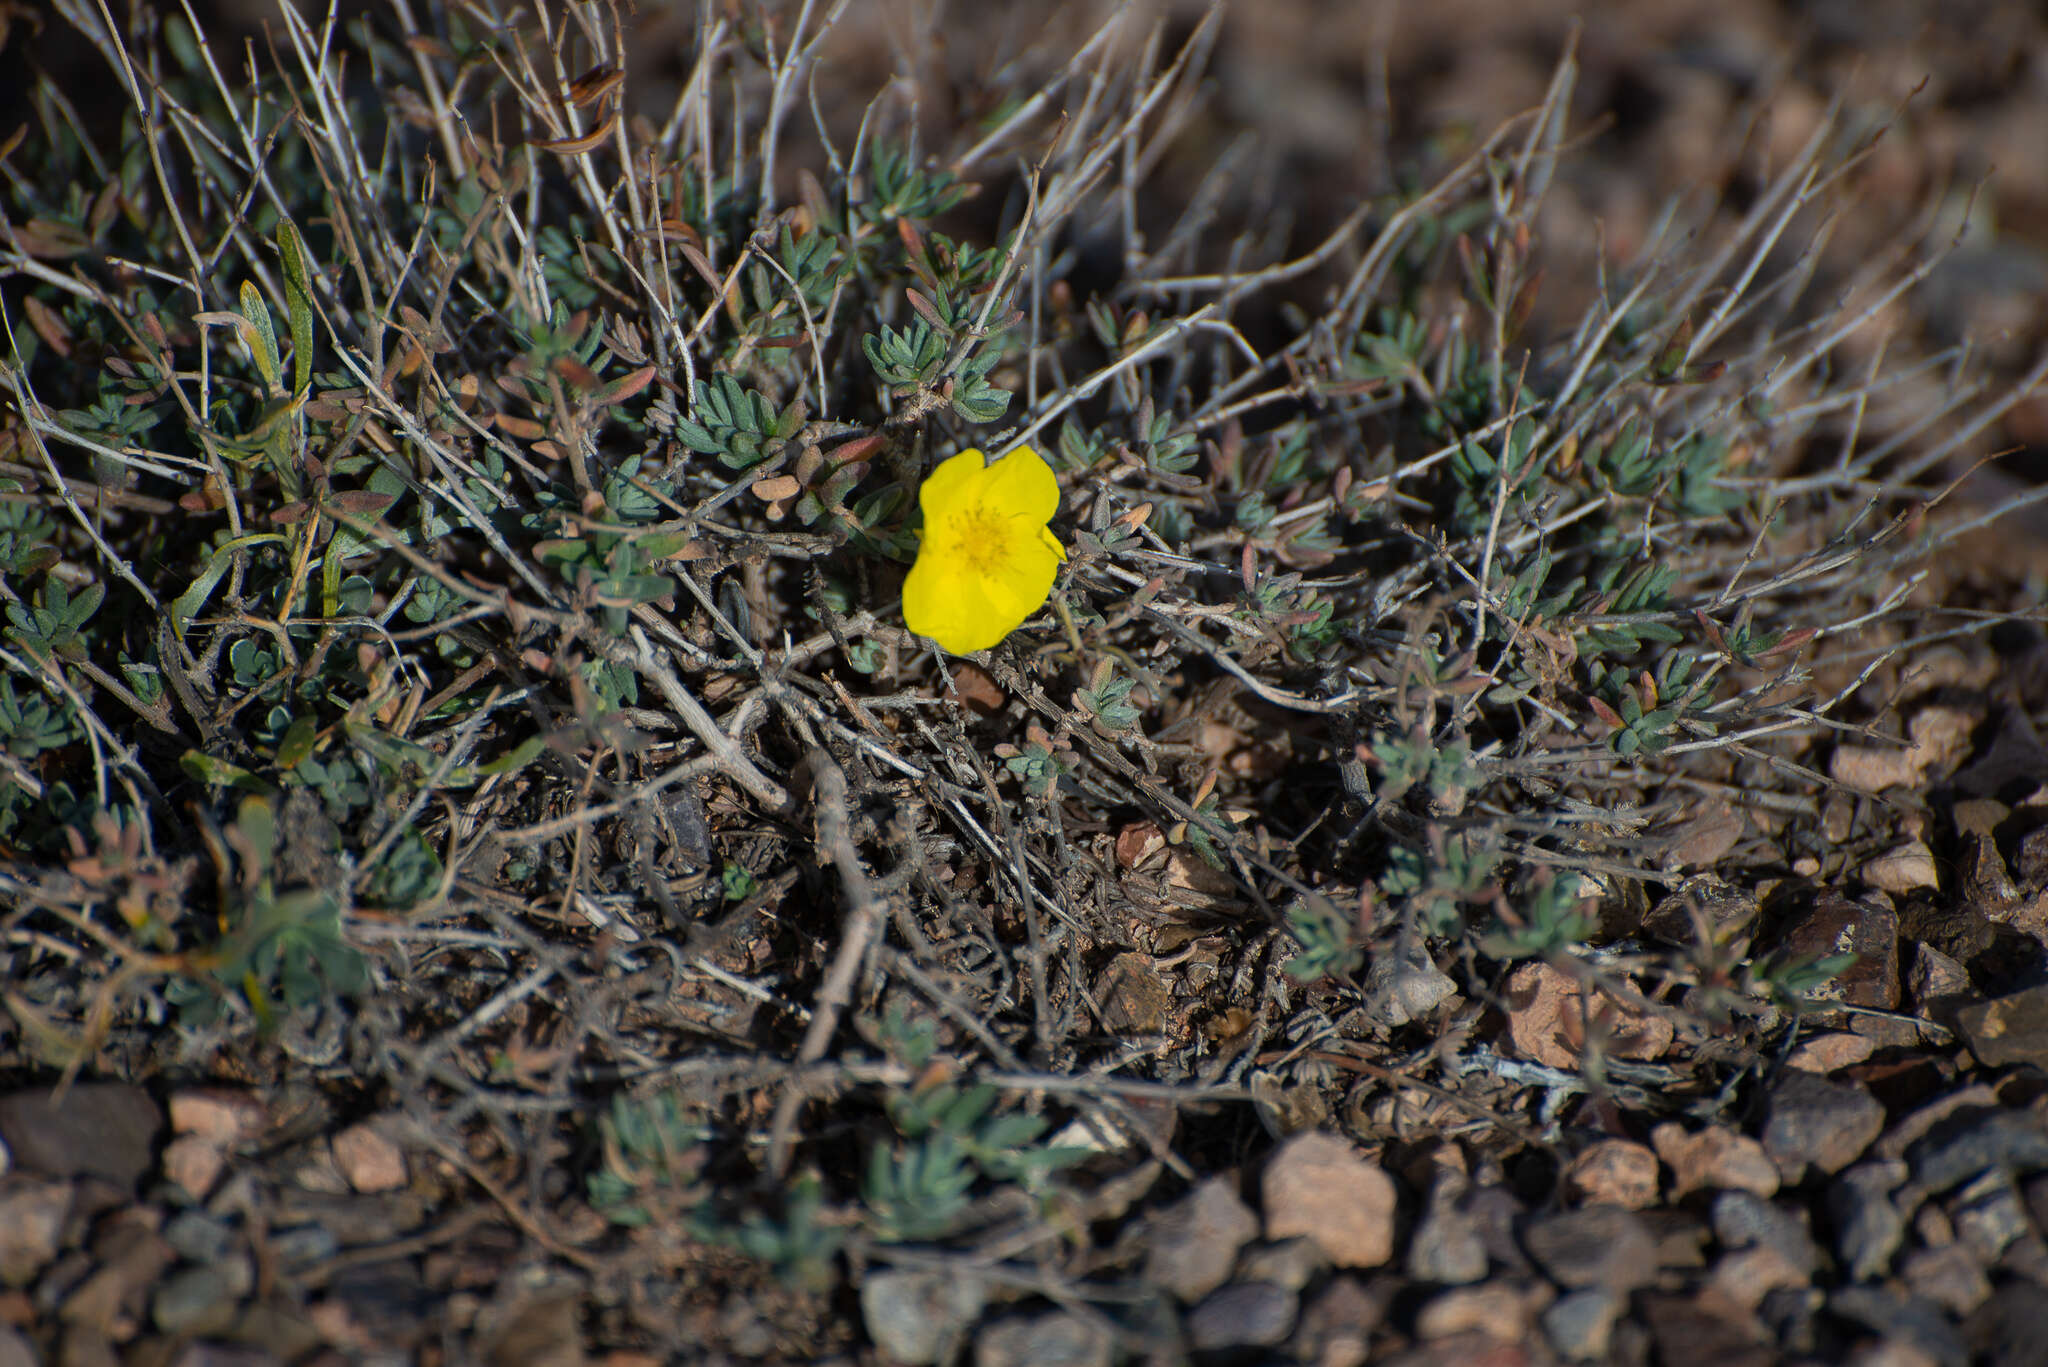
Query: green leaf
{"type": "Point", "coordinates": [298, 298]}
{"type": "Point", "coordinates": [656, 546]}
{"type": "Point", "coordinates": [518, 757]}
{"type": "Point", "coordinates": [403, 759]}
{"type": "Point", "coordinates": [976, 400]}
{"type": "Point", "coordinates": [220, 773]}
{"type": "Point", "coordinates": [623, 388]}
{"type": "Point", "coordinates": [260, 335]}
{"type": "Point", "coordinates": [29, 725]}
{"type": "Point", "coordinates": [297, 744]}
{"type": "Point", "coordinates": [1011, 1131]}
{"type": "Point", "coordinates": [188, 603]}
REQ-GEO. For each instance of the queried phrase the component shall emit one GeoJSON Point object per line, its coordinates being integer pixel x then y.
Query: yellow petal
{"type": "Point", "coordinates": [1018, 586]}
{"type": "Point", "coordinates": [954, 485]}
{"type": "Point", "coordinates": [1022, 484]}
{"type": "Point", "coordinates": [949, 606]}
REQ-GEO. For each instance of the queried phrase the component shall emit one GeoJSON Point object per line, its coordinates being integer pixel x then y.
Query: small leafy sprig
{"type": "Point", "coordinates": [1453, 868]}
{"type": "Point", "coordinates": [741, 426]}
{"type": "Point", "coordinates": [1330, 946]}
{"type": "Point", "coordinates": [1038, 763]}
{"type": "Point", "coordinates": [1413, 759]}
{"type": "Point", "coordinates": [278, 947]}
{"type": "Point", "coordinates": [649, 1143]}
{"type": "Point", "coordinates": [1108, 698]}
{"type": "Point", "coordinates": [799, 1243]}
{"type": "Point", "coordinates": [1645, 710]}
{"type": "Point", "coordinates": [921, 1190]}
{"type": "Point", "coordinates": [912, 363]}
{"type": "Point", "coordinates": [54, 627]}
{"type": "Point", "coordinates": [1553, 917]}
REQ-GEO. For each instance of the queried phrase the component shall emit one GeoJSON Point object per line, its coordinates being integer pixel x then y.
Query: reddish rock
{"type": "Point", "coordinates": [195, 1163]}
{"type": "Point", "coordinates": [1830, 1052]}
{"type": "Point", "coordinates": [1835, 925]}
{"type": "Point", "coordinates": [223, 1115]}
{"type": "Point", "coordinates": [1614, 1172]}
{"type": "Point", "coordinates": [32, 1215]}
{"type": "Point", "coordinates": [1499, 1310]}
{"type": "Point", "coordinates": [1548, 1018]}
{"type": "Point", "coordinates": [1904, 869]}
{"type": "Point", "coordinates": [368, 1159]}
{"type": "Point", "coordinates": [1317, 1185]}
{"type": "Point", "coordinates": [1716, 1158]}
{"type": "Point", "coordinates": [1747, 1276]}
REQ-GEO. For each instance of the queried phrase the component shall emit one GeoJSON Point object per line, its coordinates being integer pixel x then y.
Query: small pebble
{"type": "Point", "coordinates": [1243, 1315]}
{"type": "Point", "coordinates": [1614, 1172]}
{"type": "Point", "coordinates": [368, 1160]}
{"type": "Point", "coordinates": [1597, 1246]}
{"type": "Point", "coordinates": [1318, 1185]}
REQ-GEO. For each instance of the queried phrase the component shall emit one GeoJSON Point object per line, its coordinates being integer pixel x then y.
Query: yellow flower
{"type": "Point", "coordinates": [987, 560]}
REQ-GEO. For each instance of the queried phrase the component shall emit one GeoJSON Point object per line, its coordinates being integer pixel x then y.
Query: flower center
{"type": "Point", "coordinates": [981, 538]}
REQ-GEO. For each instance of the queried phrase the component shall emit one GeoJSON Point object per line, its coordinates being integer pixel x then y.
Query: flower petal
{"type": "Point", "coordinates": [1018, 586]}
{"type": "Point", "coordinates": [945, 602]}
{"type": "Point", "coordinates": [956, 484]}
{"type": "Point", "coordinates": [1023, 485]}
